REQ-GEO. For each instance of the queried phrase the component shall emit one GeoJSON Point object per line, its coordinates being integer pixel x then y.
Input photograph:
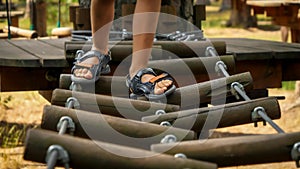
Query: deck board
{"type": "Point", "coordinates": [14, 56]}
{"type": "Point", "coordinates": [49, 55]}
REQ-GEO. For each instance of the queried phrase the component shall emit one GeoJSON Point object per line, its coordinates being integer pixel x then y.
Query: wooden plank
{"type": "Point", "coordinates": [265, 3]}
{"type": "Point", "coordinates": [3, 14]}
{"type": "Point", "coordinates": [29, 78]}
{"type": "Point", "coordinates": [85, 154]}
{"type": "Point", "coordinates": [49, 56]}
{"type": "Point", "coordinates": [59, 43]}
{"type": "Point", "coordinates": [15, 57]}
{"type": "Point", "coordinates": [273, 49]}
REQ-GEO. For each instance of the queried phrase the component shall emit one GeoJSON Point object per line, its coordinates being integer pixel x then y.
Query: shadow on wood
{"type": "Point", "coordinates": [85, 153]}
{"type": "Point", "coordinates": [111, 129]}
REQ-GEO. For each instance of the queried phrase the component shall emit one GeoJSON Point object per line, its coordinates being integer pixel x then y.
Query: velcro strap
{"type": "Point", "coordinates": [154, 79]}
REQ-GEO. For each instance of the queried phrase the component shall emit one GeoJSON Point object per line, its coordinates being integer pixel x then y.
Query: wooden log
{"type": "Point", "coordinates": [179, 49]}
{"type": "Point", "coordinates": [185, 71]}
{"type": "Point", "coordinates": [218, 116]}
{"type": "Point", "coordinates": [192, 96]}
{"type": "Point", "coordinates": [235, 151]}
{"type": "Point", "coordinates": [21, 32]}
{"type": "Point", "coordinates": [61, 31]}
{"type": "Point", "coordinates": [90, 154]}
{"type": "Point", "coordinates": [114, 106]}
{"type": "Point", "coordinates": [213, 91]}
{"type": "Point", "coordinates": [111, 129]}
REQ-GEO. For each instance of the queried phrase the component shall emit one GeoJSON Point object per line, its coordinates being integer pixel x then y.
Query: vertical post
{"type": "Point", "coordinates": [8, 19]}
{"type": "Point", "coordinates": [59, 15]}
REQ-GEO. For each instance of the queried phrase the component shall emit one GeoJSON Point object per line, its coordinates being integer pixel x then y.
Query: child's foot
{"type": "Point", "coordinates": [147, 83]}
{"type": "Point", "coordinates": [89, 66]}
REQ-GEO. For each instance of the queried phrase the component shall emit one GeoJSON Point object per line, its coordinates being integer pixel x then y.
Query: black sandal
{"type": "Point", "coordinates": [138, 88]}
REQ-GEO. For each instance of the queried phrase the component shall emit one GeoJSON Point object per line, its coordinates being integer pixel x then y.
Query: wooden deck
{"type": "Point", "coordinates": [37, 64]}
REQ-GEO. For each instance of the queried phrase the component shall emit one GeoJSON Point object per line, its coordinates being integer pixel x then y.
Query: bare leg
{"type": "Point", "coordinates": [102, 15]}
{"type": "Point", "coordinates": [144, 27]}
{"type": "Point", "coordinates": [284, 33]}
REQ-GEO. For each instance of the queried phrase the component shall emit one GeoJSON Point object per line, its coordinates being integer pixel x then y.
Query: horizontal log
{"type": "Point", "coordinates": [91, 154]}
{"type": "Point", "coordinates": [214, 91]}
{"type": "Point", "coordinates": [180, 49]}
{"type": "Point", "coordinates": [22, 32]}
{"type": "Point", "coordinates": [218, 116]}
{"type": "Point", "coordinates": [190, 96]}
{"type": "Point", "coordinates": [185, 71]}
{"type": "Point", "coordinates": [114, 106]}
{"type": "Point", "coordinates": [235, 151]}
{"type": "Point", "coordinates": [111, 129]}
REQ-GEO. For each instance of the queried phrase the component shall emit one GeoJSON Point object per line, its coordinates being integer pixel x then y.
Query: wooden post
{"type": "Point", "coordinates": [226, 115]}
{"type": "Point", "coordinates": [90, 154]}
{"type": "Point", "coordinates": [111, 129]}
{"type": "Point", "coordinates": [235, 151]}
{"type": "Point", "coordinates": [114, 106]}
{"type": "Point", "coordinates": [41, 18]}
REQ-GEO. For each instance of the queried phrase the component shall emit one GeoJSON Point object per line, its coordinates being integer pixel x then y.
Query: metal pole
{"type": "Point", "coordinates": [59, 15]}
{"type": "Point", "coordinates": [221, 67]}
{"type": "Point", "coordinates": [52, 160]}
{"type": "Point", "coordinates": [8, 19]}
{"type": "Point", "coordinates": [63, 127]}
{"type": "Point", "coordinates": [267, 119]}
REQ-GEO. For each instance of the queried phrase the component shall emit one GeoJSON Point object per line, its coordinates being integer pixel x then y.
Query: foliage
{"type": "Point", "coordinates": [288, 85]}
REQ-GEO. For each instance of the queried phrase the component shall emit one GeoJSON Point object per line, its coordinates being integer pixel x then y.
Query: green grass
{"type": "Point", "coordinates": [288, 85]}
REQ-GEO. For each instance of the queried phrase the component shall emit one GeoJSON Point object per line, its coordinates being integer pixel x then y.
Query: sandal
{"type": "Point", "coordinates": [101, 68]}
{"type": "Point", "coordinates": [138, 88]}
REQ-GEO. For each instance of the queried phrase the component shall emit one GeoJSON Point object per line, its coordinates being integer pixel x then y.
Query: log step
{"type": "Point", "coordinates": [186, 97]}
{"type": "Point", "coordinates": [185, 71]}
{"type": "Point", "coordinates": [111, 129]}
{"type": "Point", "coordinates": [227, 115]}
{"type": "Point", "coordinates": [179, 49]}
{"type": "Point", "coordinates": [114, 106]}
{"type": "Point", "coordinates": [235, 151]}
{"type": "Point", "coordinates": [85, 153]}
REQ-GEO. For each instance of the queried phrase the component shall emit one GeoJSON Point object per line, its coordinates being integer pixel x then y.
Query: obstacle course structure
{"type": "Point", "coordinates": [103, 128]}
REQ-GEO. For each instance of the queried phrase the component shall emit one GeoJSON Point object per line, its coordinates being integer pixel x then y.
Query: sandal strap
{"type": "Point", "coordinates": [93, 53]}
{"type": "Point", "coordinates": [138, 87]}
{"type": "Point", "coordinates": [94, 68]}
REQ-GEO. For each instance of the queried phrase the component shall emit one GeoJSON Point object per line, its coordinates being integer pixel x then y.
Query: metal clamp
{"type": "Point", "coordinates": [169, 139]}
{"type": "Point", "coordinates": [211, 51]}
{"type": "Point", "coordinates": [218, 69]}
{"type": "Point", "coordinates": [160, 112]}
{"type": "Point", "coordinates": [180, 155]}
{"type": "Point", "coordinates": [65, 123]}
{"type": "Point", "coordinates": [72, 102]}
{"type": "Point", "coordinates": [165, 123]}
{"type": "Point", "coordinates": [233, 90]}
{"type": "Point", "coordinates": [75, 87]}
{"type": "Point", "coordinates": [256, 117]}
{"type": "Point", "coordinates": [79, 53]}
{"type": "Point", "coordinates": [295, 153]}
{"type": "Point", "coordinates": [57, 153]}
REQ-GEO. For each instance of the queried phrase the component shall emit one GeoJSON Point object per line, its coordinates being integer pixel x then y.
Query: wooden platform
{"type": "Point", "coordinates": [37, 64]}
